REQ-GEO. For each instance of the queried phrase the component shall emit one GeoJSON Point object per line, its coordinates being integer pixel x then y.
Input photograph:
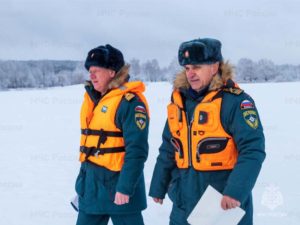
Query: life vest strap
{"type": "Point", "coordinates": [102, 132]}
{"type": "Point", "coordinates": [100, 151]}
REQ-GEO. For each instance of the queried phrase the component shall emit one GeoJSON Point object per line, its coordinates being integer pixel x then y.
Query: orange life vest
{"type": "Point", "coordinates": [101, 141]}
{"type": "Point", "coordinates": [203, 144]}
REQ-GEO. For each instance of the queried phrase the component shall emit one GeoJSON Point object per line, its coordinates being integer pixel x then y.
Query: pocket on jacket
{"type": "Point", "coordinates": [105, 182]}
{"type": "Point", "coordinates": [174, 191]}
{"type": "Point", "coordinates": [105, 192]}
{"type": "Point", "coordinates": [80, 182]}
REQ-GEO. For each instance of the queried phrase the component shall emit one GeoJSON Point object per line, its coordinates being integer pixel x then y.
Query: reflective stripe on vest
{"type": "Point", "coordinates": [203, 144]}
{"type": "Point", "coordinates": [101, 141]}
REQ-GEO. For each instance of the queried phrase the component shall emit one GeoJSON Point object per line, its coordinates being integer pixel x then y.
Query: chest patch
{"type": "Point", "coordinates": [104, 109]}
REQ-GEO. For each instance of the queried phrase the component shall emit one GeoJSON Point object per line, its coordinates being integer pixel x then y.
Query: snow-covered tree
{"type": "Point", "coordinates": [246, 70]}
{"type": "Point", "coordinates": [151, 70]}
{"type": "Point", "coordinates": [135, 69]}
{"type": "Point", "coordinates": [266, 70]}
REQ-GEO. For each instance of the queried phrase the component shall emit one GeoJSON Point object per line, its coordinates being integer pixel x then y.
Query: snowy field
{"type": "Point", "coordinates": [39, 133]}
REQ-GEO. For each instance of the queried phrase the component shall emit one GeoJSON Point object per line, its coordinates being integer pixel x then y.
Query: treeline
{"type": "Point", "coordinates": [265, 70]}
{"type": "Point", "coordinates": [50, 73]}
{"type": "Point", "coordinates": [40, 73]}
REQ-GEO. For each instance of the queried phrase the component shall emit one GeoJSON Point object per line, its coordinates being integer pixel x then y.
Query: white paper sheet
{"type": "Point", "coordinates": [208, 211]}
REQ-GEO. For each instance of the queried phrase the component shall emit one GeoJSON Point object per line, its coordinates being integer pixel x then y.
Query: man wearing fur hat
{"type": "Point", "coordinates": [213, 136]}
{"type": "Point", "coordinates": [113, 146]}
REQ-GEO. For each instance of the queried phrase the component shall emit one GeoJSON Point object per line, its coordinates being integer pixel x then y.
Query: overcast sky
{"type": "Point", "coordinates": [144, 29]}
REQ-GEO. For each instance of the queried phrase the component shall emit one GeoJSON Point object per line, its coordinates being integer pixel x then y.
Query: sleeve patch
{"type": "Point", "coordinates": [140, 120]}
{"type": "Point", "coordinates": [140, 109]}
{"type": "Point", "coordinates": [246, 104]}
{"type": "Point", "coordinates": [250, 116]}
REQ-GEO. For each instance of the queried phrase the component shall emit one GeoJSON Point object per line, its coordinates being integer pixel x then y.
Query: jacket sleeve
{"type": "Point", "coordinates": [243, 123]}
{"type": "Point", "coordinates": [164, 166]}
{"type": "Point", "coordinates": [133, 120]}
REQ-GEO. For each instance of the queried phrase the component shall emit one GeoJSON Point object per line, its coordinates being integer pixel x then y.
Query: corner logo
{"type": "Point", "coordinates": [272, 197]}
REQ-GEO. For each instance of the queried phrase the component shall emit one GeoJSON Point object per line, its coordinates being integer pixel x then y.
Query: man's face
{"type": "Point", "coordinates": [199, 76]}
{"type": "Point", "coordinates": [101, 77]}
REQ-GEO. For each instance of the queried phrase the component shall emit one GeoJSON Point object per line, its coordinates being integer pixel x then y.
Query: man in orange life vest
{"type": "Point", "coordinates": [213, 136]}
{"type": "Point", "coordinates": [113, 147]}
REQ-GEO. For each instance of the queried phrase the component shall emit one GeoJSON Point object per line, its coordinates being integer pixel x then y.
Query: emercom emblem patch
{"type": "Point", "coordinates": [251, 119]}
{"type": "Point", "coordinates": [140, 120]}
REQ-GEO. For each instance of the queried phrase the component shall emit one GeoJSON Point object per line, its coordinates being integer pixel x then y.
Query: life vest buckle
{"type": "Point", "coordinates": [198, 156]}
{"type": "Point", "coordinates": [85, 131]}
{"type": "Point", "coordinates": [97, 153]}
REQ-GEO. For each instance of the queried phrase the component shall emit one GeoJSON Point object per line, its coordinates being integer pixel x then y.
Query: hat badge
{"type": "Point", "coordinates": [92, 55]}
{"type": "Point", "coordinates": [186, 54]}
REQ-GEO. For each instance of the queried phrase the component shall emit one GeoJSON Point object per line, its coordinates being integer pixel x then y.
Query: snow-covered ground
{"type": "Point", "coordinates": [39, 133]}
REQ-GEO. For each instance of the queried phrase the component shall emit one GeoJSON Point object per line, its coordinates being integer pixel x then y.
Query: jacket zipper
{"type": "Point", "coordinates": [211, 139]}
{"type": "Point", "coordinates": [189, 140]}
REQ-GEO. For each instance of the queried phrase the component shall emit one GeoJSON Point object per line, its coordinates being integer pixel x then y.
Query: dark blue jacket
{"type": "Point", "coordinates": [96, 185]}
{"type": "Point", "coordinates": [186, 186]}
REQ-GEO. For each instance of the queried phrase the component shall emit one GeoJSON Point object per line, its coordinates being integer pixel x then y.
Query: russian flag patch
{"type": "Point", "coordinates": [140, 109]}
{"type": "Point", "coordinates": [246, 104]}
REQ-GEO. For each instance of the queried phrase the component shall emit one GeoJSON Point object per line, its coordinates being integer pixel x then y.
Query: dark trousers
{"type": "Point", "coordinates": [124, 219]}
{"type": "Point", "coordinates": [178, 216]}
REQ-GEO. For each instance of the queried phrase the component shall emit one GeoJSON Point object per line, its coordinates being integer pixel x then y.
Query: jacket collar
{"type": "Point", "coordinates": [218, 81]}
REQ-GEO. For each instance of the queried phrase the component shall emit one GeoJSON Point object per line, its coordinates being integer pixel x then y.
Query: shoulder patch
{"type": "Point", "coordinates": [129, 96]}
{"type": "Point", "coordinates": [247, 104]}
{"type": "Point", "coordinates": [140, 120]}
{"type": "Point", "coordinates": [140, 109]}
{"type": "Point", "coordinates": [235, 91]}
{"type": "Point", "coordinates": [250, 116]}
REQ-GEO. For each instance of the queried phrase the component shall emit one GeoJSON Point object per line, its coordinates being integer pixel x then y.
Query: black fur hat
{"type": "Point", "coordinates": [200, 51]}
{"type": "Point", "coordinates": [106, 57]}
